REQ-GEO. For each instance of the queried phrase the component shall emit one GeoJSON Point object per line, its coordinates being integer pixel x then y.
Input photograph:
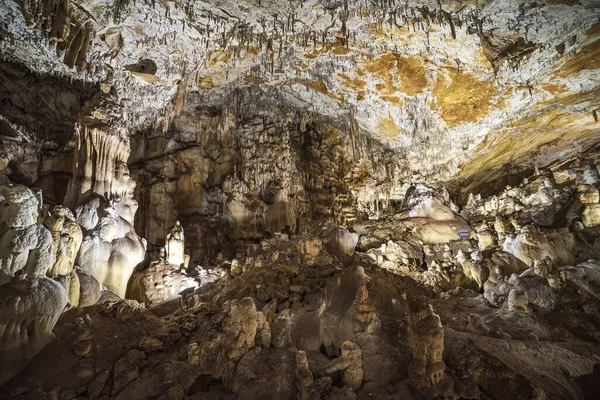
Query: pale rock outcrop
{"type": "Point", "coordinates": [590, 174]}
{"type": "Point", "coordinates": [28, 249]}
{"type": "Point", "coordinates": [67, 237]}
{"type": "Point", "coordinates": [589, 196]}
{"type": "Point", "coordinates": [473, 268]}
{"type": "Point", "coordinates": [517, 300]}
{"type": "Point", "coordinates": [505, 264]}
{"type": "Point", "coordinates": [431, 219]}
{"type": "Point", "coordinates": [235, 268]}
{"type": "Point", "coordinates": [446, 275]}
{"type": "Point", "coordinates": [90, 289]}
{"type": "Point", "coordinates": [349, 362]}
{"type": "Point", "coordinates": [546, 194]}
{"type": "Point", "coordinates": [240, 329]}
{"type": "Point", "coordinates": [546, 268]}
{"type": "Point", "coordinates": [164, 279]}
{"type": "Point", "coordinates": [29, 309]}
{"type": "Point", "coordinates": [159, 283]}
{"type": "Point", "coordinates": [496, 289]}
{"type": "Point", "coordinates": [509, 201]}
{"type": "Point", "coordinates": [516, 289]}
{"type": "Point", "coordinates": [110, 249]}
{"type": "Point", "coordinates": [534, 243]}
{"type": "Point", "coordinates": [30, 303]}
{"type": "Point", "coordinates": [531, 289]}
{"type": "Point", "coordinates": [486, 237]}
{"type": "Point", "coordinates": [24, 243]}
{"type": "Point", "coordinates": [312, 247]}
{"type": "Point", "coordinates": [345, 309]}
{"type": "Point", "coordinates": [502, 227]}
{"type": "Point", "coordinates": [408, 252]}
{"type": "Point", "coordinates": [72, 286]}
{"type": "Point", "coordinates": [591, 215]}
{"type": "Point", "coordinates": [542, 199]}
{"type": "Point", "coordinates": [585, 278]}
{"type": "Point", "coordinates": [501, 266]}
{"type": "Point", "coordinates": [398, 256]}
{"type": "Point", "coordinates": [341, 242]}
{"type": "Point", "coordinates": [550, 214]}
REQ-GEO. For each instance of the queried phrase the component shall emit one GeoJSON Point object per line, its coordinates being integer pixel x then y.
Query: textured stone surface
{"type": "Point", "coordinates": [379, 200]}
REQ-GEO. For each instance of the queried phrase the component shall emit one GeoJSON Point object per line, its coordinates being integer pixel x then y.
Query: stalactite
{"type": "Point", "coordinates": [66, 26]}
{"type": "Point", "coordinates": [95, 167]}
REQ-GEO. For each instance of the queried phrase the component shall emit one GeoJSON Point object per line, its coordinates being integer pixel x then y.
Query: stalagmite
{"type": "Point", "coordinates": [426, 369]}
{"type": "Point", "coordinates": [167, 277]}
{"type": "Point", "coordinates": [66, 236]}
{"type": "Point", "coordinates": [24, 243]}
{"type": "Point", "coordinates": [173, 252]}
{"type": "Point", "coordinates": [110, 249]}
{"type": "Point", "coordinates": [103, 192]}
{"type": "Point", "coordinates": [29, 309]}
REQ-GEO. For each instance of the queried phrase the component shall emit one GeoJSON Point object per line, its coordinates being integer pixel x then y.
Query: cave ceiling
{"type": "Point", "coordinates": [459, 91]}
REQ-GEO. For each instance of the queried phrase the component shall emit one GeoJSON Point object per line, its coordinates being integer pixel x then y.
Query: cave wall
{"type": "Point", "coordinates": [236, 168]}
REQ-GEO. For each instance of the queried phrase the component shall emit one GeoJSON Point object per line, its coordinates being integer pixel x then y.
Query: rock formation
{"type": "Point", "coordinates": [110, 249]}
{"type": "Point", "coordinates": [173, 251]}
{"type": "Point", "coordinates": [30, 309]}
{"type": "Point", "coordinates": [315, 199]}
{"type": "Point", "coordinates": [166, 278]}
{"type": "Point", "coordinates": [103, 192]}
{"type": "Point", "coordinates": [27, 244]}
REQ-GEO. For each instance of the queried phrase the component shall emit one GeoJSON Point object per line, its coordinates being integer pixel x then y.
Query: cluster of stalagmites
{"type": "Point", "coordinates": [533, 235]}
{"type": "Point", "coordinates": [31, 302]}
{"type": "Point", "coordinates": [422, 305]}
{"type": "Point", "coordinates": [48, 263]}
{"type": "Point", "coordinates": [53, 259]}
